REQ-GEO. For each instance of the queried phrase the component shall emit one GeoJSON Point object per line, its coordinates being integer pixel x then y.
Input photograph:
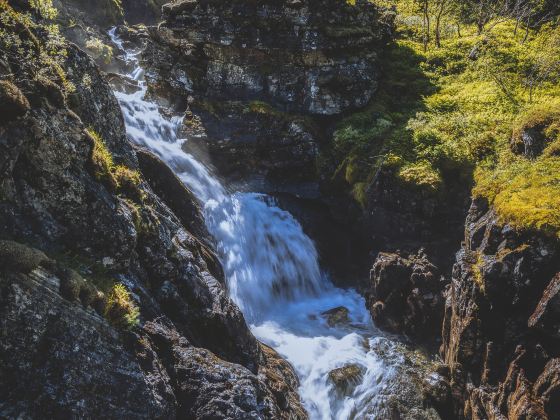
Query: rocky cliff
{"type": "Point", "coordinates": [500, 332]}
{"type": "Point", "coordinates": [111, 305]}
{"type": "Point", "coordinates": [253, 70]}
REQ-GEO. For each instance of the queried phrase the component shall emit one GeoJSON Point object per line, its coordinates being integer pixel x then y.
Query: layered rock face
{"type": "Point", "coordinates": [500, 333]}
{"type": "Point", "coordinates": [250, 70]}
{"type": "Point", "coordinates": [309, 56]}
{"type": "Point", "coordinates": [72, 186]}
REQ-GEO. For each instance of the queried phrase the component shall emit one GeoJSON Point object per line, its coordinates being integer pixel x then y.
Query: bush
{"type": "Point", "coordinates": [120, 309]}
{"type": "Point", "coordinates": [421, 174]}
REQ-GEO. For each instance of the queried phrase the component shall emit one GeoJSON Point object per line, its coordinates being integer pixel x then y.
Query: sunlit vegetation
{"type": "Point", "coordinates": [453, 101]}
{"type": "Point", "coordinates": [22, 45]}
{"type": "Point", "coordinates": [120, 309]}
{"type": "Point", "coordinates": [118, 178]}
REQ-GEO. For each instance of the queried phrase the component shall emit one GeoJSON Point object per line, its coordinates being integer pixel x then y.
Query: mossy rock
{"type": "Point", "coordinates": [13, 103]}
{"type": "Point", "coordinates": [70, 284]}
{"type": "Point", "coordinates": [20, 258]}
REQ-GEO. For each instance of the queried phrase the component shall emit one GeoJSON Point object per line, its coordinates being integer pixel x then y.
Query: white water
{"type": "Point", "coordinates": [273, 274]}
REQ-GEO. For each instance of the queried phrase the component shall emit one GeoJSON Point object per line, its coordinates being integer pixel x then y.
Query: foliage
{"type": "Point", "coordinates": [446, 116]}
{"type": "Point", "coordinates": [118, 178]}
{"type": "Point", "coordinates": [120, 309]}
{"type": "Point", "coordinates": [32, 43]}
{"type": "Point", "coordinates": [525, 194]}
{"type": "Point", "coordinates": [98, 49]}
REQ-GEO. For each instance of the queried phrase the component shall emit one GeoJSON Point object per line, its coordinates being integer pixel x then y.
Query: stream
{"type": "Point", "coordinates": [274, 276]}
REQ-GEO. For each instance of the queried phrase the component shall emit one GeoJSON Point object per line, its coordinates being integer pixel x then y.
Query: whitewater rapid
{"type": "Point", "coordinates": [273, 274]}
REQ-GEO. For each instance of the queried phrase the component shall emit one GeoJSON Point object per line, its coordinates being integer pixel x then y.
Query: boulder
{"type": "Point", "coordinates": [346, 377]}
{"type": "Point", "coordinates": [336, 317]}
{"type": "Point", "coordinates": [405, 295]}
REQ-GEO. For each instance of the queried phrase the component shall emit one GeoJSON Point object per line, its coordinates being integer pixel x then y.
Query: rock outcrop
{"type": "Point", "coordinates": [71, 186]}
{"type": "Point", "coordinates": [306, 56]}
{"type": "Point", "coordinates": [500, 332]}
{"type": "Point", "coordinates": [405, 295]}
{"type": "Point", "coordinates": [256, 72]}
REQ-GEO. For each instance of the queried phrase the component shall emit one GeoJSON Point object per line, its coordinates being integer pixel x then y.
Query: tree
{"type": "Point", "coordinates": [441, 9]}
{"type": "Point", "coordinates": [481, 12]}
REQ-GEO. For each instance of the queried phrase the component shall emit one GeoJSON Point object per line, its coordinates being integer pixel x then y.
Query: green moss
{"type": "Point", "coordinates": [120, 309]}
{"type": "Point", "coordinates": [117, 178]}
{"type": "Point", "coordinates": [128, 182]}
{"type": "Point", "coordinates": [359, 192]}
{"type": "Point", "coordinates": [260, 107]}
{"type": "Point", "coordinates": [18, 257]}
{"type": "Point", "coordinates": [525, 194]}
{"type": "Point", "coordinates": [477, 273]}
{"type": "Point", "coordinates": [102, 161]}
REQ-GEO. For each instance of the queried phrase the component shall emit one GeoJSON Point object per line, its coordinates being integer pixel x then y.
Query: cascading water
{"type": "Point", "coordinates": [273, 274]}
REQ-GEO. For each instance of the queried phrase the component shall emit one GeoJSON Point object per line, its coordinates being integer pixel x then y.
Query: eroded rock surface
{"type": "Point", "coordinates": [71, 185]}
{"type": "Point", "coordinates": [405, 295]}
{"type": "Point", "coordinates": [500, 335]}
{"type": "Point", "coordinates": [308, 56]}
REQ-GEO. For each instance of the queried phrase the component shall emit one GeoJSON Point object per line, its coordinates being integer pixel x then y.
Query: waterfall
{"type": "Point", "coordinates": [273, 274]}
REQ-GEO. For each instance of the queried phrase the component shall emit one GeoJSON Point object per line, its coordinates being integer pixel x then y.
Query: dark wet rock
{"type": "Point", "coordinates": [252, 140]}
{"type": "Point", "coordinates": [547, 313]}
{"type": "Point", "coordinates": [53, 353]}
{"type": "Point", "coordinates": [172, 191]}
{"type": "Point", "coordinates": [400, 216]}
{"type": "Point", "coordinates": [337, 316]}
{"type": "Point", "coordinates": [347, 377]}
{"type": "Point", "coordinates": [147, 12]}
{"type": "Point", "coordinates": [499, 330]}
{"type": "Point", "coordinates": [55, 348]}
{"type": "Point", "coordinates": [437, 392]}
{"type": "Point", "coordinates": [307, 56]}
{"type": "Point", "coordinates": [405, 295]}
{"type": "Point", "coordinates": [91, 99]}
{"type": "Point", "coordinates": [405, 395]}
{"type": "Point", "coordinates": [280, 378]}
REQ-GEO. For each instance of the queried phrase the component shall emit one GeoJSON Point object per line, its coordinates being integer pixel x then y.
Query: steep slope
{"type": "Point", "coordinates": [127, 316]}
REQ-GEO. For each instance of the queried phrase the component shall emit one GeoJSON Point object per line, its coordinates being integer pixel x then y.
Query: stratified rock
{"type": "Point", "coordinates": [500, 328]}
{"type": "Point", "coordinates": [405, 295]}
{"type": "Point", "coordinates": [253, 140]}
{"type": "Point", "coordinates": [311, 56]}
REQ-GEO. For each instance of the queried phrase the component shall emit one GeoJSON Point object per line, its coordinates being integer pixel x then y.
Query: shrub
{"type": "Point", "coordinates": [421, 174]}
{"type": "Point", "coordinates": [99, 50]}
{"type": "Point", "coordinates": [120, 309]}
{"type": "Point", "coordinates": [19, 257]}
